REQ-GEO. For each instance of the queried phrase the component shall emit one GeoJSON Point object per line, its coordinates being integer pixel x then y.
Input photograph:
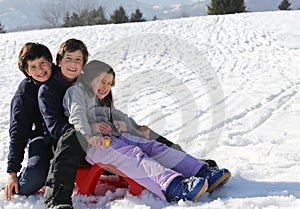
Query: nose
{"type": "Point", "coordinates": [105, 85]}
{"type": "Point", "coordinates": [72, 63]}
{"type": "Point", "coordinates": [39, 67]}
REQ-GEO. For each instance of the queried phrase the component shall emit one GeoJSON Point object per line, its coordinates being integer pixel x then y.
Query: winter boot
{"type": "Point", "coordinates": [215, 177]}
{"type": "Point", "coordinates": [58, 197]}
{"type": "Point", "coordinates": [186, 189]}
{"type": "Point", "coordinates": [211, 163]}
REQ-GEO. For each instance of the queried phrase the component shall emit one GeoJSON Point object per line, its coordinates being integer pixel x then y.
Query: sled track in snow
{"type": "Point", "coordinates": [266, 110]}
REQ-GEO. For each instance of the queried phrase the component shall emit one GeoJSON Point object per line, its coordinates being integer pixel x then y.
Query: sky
{"type": "Point", "coordinates": [28, 15]}
{"type": "Point", "coordinates": [223, 87]}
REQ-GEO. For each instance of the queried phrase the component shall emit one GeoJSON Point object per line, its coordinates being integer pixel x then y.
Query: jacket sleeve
{"type": "Point", "coordinates": [52, 111]}
{"type": "Point", "coordinates": [133, 122]}
{"type": "Point", "coordinates": [119, 115]}
{"type": "Point", "coordinates": [20, 130]}
{"type": "Point", "coordinates": [75, 108]}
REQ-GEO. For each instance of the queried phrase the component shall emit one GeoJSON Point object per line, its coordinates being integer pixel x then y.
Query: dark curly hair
{"type": "Point", "coordinates": [32, 51]}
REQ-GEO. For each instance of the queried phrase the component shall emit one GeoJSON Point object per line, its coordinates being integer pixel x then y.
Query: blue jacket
{"type": "Point", "coordinates": [25, 122]}
{"type": "Point", "coordinates": [50, 98]}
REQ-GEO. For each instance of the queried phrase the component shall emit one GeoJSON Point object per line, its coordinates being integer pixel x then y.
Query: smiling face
{"type": "Point", "coordinates": [71, 65]}
{"type": "Point", "coordinates": [39, 69]}
{"type": "Point", "coordinates": [101, 85]}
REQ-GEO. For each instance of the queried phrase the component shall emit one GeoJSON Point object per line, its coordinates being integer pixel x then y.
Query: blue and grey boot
{"type": "Point", "coordinates": [215, 177]}
{"type": "Point", "coordinates": [186, 189]}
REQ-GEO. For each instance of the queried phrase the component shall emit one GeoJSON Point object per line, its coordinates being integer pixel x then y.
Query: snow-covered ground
{"type": "Point", "coordinates": [223, 87]}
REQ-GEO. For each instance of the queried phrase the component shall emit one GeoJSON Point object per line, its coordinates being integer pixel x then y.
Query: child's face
{"type": "Point", "coordinates": [39, 69]}
{"type": "Point", "coordinates": [71, 65]}
{"type": "Point", "coordinates": [101, 85]}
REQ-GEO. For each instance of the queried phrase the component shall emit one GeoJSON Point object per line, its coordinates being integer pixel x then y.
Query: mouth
{"type": "Point", "coordinates": [73, 70]}
{"type": "Point", "coordinates": [101, 93]}
{"type": "Point", "coordinates": [43, 75]}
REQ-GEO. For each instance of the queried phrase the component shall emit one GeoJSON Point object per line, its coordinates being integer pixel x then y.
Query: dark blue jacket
{"type": "Point", "coordinates": [25, 122]}
{"type": "Point", "coordinates": [50, 99]}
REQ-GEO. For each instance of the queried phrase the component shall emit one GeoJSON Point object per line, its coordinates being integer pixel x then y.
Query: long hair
{"type": "Point", "coordinates": [92, 70]}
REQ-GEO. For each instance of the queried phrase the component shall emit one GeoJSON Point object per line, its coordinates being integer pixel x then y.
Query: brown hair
{"type": "Point", "coordinates": [95, 68]}
{"type": "Point", "coordinates": [92, 70]}
{"type": "Point", "coordinates": [72, 45]}
{"type": "Point", "coordinates": [32, 51]}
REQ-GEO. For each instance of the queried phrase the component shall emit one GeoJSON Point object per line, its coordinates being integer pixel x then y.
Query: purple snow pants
{"type": "Point", "coordinates": [150, 163]}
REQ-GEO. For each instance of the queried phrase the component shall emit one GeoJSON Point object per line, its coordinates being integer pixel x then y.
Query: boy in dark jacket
{"type": "Point", "coordinates": [26, 126]}
{"type": "Point", "coordinates": [71, 57]}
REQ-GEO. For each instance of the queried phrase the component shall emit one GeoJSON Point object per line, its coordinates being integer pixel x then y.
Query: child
{"type": "Point", "coordinates": [71, 146]}
{"type": "Point", "coordinates": [164, 171]}
{"type": "Point", "coordinates": [35, 62]}
{"type": "Point", "coordinates": [70, 150]}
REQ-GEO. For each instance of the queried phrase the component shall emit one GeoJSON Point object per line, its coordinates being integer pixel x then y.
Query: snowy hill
{"type": "Point", "coordinates": [223, 87]}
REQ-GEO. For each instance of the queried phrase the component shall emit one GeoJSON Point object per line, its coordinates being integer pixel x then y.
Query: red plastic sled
{"type": "Point", "coordinates": [88, 176]}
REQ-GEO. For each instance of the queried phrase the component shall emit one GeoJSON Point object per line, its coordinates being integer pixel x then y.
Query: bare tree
{"type": "Point", "coordinates": [54, 13]}
{"type": "Point", "coordinates": [79, 5]}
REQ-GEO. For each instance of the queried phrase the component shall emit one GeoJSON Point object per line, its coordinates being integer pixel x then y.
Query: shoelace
{"type": "Point", "coordinates": [182, 186]}
{"type": "Point", "coordinates": [211, 171]}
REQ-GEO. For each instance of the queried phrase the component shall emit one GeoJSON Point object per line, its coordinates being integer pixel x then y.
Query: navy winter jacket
{"type": "Point", "coordinates": [50, 99]}
{"type": "Point", "coordinates": [25, 122]}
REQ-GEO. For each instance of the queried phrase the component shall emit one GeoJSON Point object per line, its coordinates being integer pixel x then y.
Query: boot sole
{"type": "Point", "coordinates": [201, 192]}
{"type": "Point", "coordinates": [220, 182]}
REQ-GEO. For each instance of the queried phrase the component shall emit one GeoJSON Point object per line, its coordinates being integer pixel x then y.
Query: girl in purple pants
{"type": "Point", "coordinates": [168, 173]}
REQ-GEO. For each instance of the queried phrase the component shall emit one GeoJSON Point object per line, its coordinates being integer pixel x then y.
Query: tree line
{"type": "Point", "coordinates": [97, 16]}
{"type": "Point", "coordinates": [2, 28]}
{"type": "Point", "coordinates": [220, 7]}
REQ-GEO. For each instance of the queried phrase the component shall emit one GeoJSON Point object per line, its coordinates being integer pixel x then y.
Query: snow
{"type": "Point", "coordinates": [223, 87]}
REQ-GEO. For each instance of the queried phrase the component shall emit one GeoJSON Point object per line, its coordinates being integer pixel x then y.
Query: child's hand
{"type": "Point", "coordinates": [12, 183]}
{"type": "Point", "coordinates": [96, 141]}
{"type": "Point", "coordinates": [104, 128]}
{"type": "Point", "coordinates": [121, 126]}
{"type": "Point", "coordinates": [145, 131]}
